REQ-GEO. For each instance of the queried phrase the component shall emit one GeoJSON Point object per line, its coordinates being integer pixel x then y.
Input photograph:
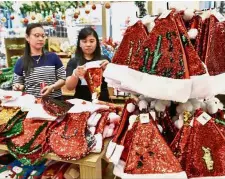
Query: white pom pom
{"type": "Point", "coordinates": [132, 119]}
{"type": "Point", "coordinates": [179, 124]}
{"type": "Point", "coordinates": [142, 105]}
{"type": "Point", "coordinates": [188, 106]}
{"type": "Point", "coordinates": [192, 33]}
{"type": "Point", "coordinates": [188, 14]}
{"type": "Point", "coordinates": [160, 128]}
{"type": "Point", "coordinates": [159, 106]}
{"type": "Point", "coordinates": [217, 100]}
{"type": "Point", "coordinates": [183, 107]}
{"type": "Point", "coordinates": [152, 105]}
{"type": "Point", "coordinates": [212, 107]}
{"type": "Point", "coordinates": [179, 109]}
{"type": "Point", "coordinates": [130, 107]}
{"type": "Point", "coordinates": [195, 103]}
{"type": "Point", "coordinates": [113, 117]}
{"type": "Point", "coordinates": [166, 103]}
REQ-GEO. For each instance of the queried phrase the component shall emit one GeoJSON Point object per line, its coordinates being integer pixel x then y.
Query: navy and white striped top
{"type": "Point", "coordinates": [49, 70]}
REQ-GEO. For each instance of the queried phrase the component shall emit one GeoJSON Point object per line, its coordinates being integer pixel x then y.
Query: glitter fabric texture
{"type": "Point", "coordinates": [55, 107]}
{"type": "Point", "coordinates": [128, 52]}
{"type": "Point", "coordinates": [216, 44]}
{"type": "Point", "coordinates": [93, 77]}
{"type": "Point", "coordinates": [149, 152]}
{"type": "Point", "coordinates": [169, 129]}
{"type": "Point", "coordinates": [68, 138]}
{"type": "Point", "coordinates": [163, 51]}
{"type": "Point", "coordinates": [195, 65]}
{"type": "Point", "coordinates": [102, 122]}
{"type": "Point", "coordinates": [30, 127]}
{"type": "Point", "coordinates": [208, 137]}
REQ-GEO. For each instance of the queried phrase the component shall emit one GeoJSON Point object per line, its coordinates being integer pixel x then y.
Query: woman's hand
{"type": "Point", "coordinates": [47, 90]}
{"type": "Point", "coordinates": [18, 87]}
{"type": "Point", "coordinates": [80, 72]}
{"type": "Point", "coordinates": [104, 64]}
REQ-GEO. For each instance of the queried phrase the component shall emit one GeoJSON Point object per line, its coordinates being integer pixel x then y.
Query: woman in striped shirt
{"type": "Point", "coordinates": [37, 67]}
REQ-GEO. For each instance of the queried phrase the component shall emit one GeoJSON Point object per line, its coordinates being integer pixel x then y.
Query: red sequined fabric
{"type": "Point", "coordinates": [169, 129]}
{"type": "Point", "coordinates": [220, 116]}
{"type": "Point", "coordinates": [68, 139]}
{"type": "Point", "coordinates": [102, 122]}
{"type": "Point", "coordinates": [93, 77]}
{"type": "Point", "coordinates": [205, 34]}
{"type": "Point", "coordinates": [199, 40]}
{"type": "Point", "coordinates": [163, 51]}
{"type": "Point", "coordinates": [149, 152]}
{"type": "Point", "coordinates": [55, 107]}
{"type": "Point", "coordinates": [129, 50]}
{"type": "Point", "coordinates": [180, 143]}
{"type": "Point", "coordinates": [30, 126]}
{"type": "Point", "coordinates": [216, 44]}
{"type": "Point", "coordinates": [124, 123]}
{"type": "Point", "coordinates": [127, 141]}
{"type": "Point", "coordinates": [195, 65]}
{"type": "Point", "coordinates": [204, 137]}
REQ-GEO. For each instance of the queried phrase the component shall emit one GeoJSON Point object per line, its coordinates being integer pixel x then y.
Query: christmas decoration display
{"type": "Point", "coordinates": [107, 5]}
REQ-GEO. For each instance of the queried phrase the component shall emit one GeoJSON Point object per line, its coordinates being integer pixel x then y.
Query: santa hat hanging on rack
{"type": "Point", "coordinates": [131, 44]}
{"type": "Point", "coordinates": [162, 65]}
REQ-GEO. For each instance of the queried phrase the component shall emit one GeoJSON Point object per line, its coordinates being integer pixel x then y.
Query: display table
{"type": "Point", "coordinates": [90, 166]}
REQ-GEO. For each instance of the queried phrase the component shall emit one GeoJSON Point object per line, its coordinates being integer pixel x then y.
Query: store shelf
{"type": "Point", "coordinates": [90, 166]}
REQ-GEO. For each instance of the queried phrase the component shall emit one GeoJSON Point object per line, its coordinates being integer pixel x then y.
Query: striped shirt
{"type": "Point", "coordinates": [49, 70]}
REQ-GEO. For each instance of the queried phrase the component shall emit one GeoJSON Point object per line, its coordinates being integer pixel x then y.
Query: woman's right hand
{"type": "Point", "coordinates": [79, 72]}
{"type": "Point", "coordinates": [18, 87]}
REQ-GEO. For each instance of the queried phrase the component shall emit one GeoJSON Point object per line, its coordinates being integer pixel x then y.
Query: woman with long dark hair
{"type": "Point", "coordinates": [88, 50]}
{"type": "Point", "coordinates": [36, 68]}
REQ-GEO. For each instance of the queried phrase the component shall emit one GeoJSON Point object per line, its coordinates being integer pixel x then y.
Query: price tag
{"type": "Point", "coordinates": [144, 118]}
{"type": "Point", "coordinates": [204, 118]}
{"type": "Point", "coordinates": [165, 14]}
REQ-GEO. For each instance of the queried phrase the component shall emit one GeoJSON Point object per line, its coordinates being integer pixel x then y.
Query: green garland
{"type": "Point", "coordinates": [48, 7]}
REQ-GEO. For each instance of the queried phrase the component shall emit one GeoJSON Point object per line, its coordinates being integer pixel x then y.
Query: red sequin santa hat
{"type": "Point", "coordinates": [162, 65]}
{"type": "Point", "coordinates": [93, 77]}
{"type": "Point", "coordinates": [206, 150]}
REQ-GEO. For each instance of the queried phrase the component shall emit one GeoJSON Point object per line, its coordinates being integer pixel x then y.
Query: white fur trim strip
{"type": "Point", "coordinates": [92, 129]}
{"type": "Point", "coordinates": [94, 120]}
{"type": "Point", "coordinates": [117, 154]}
{"type": "Point", "coordinates": [119, 171]}
{"type": "Point", "coordinates": [110, 149]}
{"type": "Point", "coordinates": [98, 146]}
{"type": "Point", "coordinates": [158, 87]}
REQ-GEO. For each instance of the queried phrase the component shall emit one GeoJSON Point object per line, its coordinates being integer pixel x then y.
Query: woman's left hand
{"type": "Point", "coordinates": [104, 64]}
{"type": "Point", "coordinates": [46, 90]}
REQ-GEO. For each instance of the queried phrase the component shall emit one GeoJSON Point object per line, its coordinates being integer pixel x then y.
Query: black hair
{"type": "Point", "coordinates": [26, 58]}
{"type": "Point", "coordinates": [83, 35]}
